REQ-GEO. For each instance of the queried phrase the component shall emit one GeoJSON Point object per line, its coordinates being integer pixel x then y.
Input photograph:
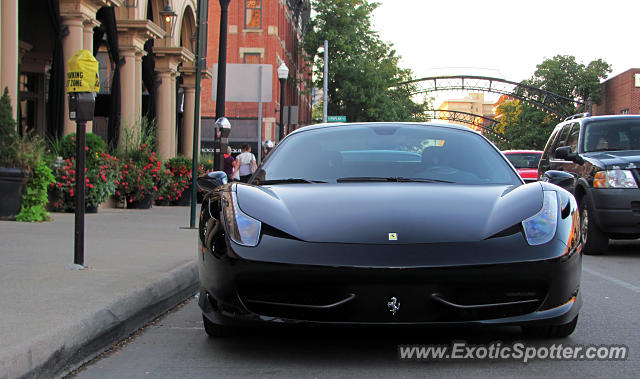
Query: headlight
{"type": "Point", "coordinates": [614, 179]}
{"type": "Point", "coordinates": [242, 228]}
{"type": "Point", "coordinates": [541, 227]}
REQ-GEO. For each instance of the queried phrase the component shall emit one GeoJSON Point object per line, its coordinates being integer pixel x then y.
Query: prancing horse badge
{"type": "Point", "coordinates": [394, 305]}
{"type": "Point", "coordinates": [393, 236]}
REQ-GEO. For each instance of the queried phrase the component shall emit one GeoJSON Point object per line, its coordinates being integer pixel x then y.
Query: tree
{"type": "Point", "coordinates": [523, 125]}
{"type": "Point", "coordinates": [527, 127]}
{"type": "Point", "coordinates": [363, 70]}
{"type": "Point", "coordinates": [566, 77]}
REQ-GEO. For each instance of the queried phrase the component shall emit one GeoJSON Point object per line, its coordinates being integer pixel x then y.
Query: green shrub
{"type": "Point", "coordinates": [94, 143]}
{"type": "Point", "coordinates": [34, 200]}
{"type": "Point", "coordinates": [8, 135]}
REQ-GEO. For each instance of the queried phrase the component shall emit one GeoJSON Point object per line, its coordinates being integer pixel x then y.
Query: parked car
{"type": "Point", "coordinates": [597, 158]}
{"type": "Point", "coordinates": [526, 162]}
{"type": "Point", "coordinates": [388, 223]}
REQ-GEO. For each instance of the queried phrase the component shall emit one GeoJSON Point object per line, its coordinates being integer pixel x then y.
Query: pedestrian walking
{"type": "Point", "coordinates": [246, 163]}
{"type": "Point", "coordinates": [230, 164]}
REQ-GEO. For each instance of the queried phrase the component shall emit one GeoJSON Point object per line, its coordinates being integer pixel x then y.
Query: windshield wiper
{"type": "Point", "coordinates": [389, 179]}
{"type": "Point", "coordinates": [289, 180]}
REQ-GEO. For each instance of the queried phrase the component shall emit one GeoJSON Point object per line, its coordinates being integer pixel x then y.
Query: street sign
{"type": "Point", "coordinates": [336, 118]}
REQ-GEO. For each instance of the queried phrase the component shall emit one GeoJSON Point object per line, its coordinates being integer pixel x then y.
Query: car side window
{"type": "Point", "coordinates": [574, 136]}
{"type": "Point", "coordinates": [560, 141]}
{"type": "Point", "coordinates": [550, 146]}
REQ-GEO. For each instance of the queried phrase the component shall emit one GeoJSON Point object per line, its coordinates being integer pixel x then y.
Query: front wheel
{"type": "Point", "coordinates": [594, 242]}
{"type": "Point", "coordinates": [551, 331]}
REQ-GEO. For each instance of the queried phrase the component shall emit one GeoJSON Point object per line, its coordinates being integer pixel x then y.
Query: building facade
{"type": "Point", "coordinates": [620, 94]}
{"type": "Point", "coordinates": [259, 32]}
{"type": "Point", "coordinates": [146, 58]}
{"type": "Point", "coordinates": [472, 104]}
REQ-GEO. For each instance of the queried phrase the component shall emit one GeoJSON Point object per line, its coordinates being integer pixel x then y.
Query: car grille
{"type": "Point", "coordinates": [369, 303]}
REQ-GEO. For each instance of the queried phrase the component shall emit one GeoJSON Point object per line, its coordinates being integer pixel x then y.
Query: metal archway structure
{"type": "Point", "coordinates": [548, 101]}
{"type": "Point", "coordinates": [485, 123]}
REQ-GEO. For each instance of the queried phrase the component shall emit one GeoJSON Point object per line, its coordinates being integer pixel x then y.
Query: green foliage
{"type": "Point", "coordinates": [206, 161]}
{"type": "Point", "coordinates": [524, 126]}
{"type": "Point", "coordinates": [35, 199]}
{"type": "Point", "coordinates": [175, 179]}
{"type": "Point", "coordinates": [140, 134]}
{"type": "Point", "coordinates": [564, 76]}
{"type": "Point", "coordinates": [94, 144]}
{"type": "Point", "coordinates": [363, 70]}
{"type": "Point", "coordinates": [102, 173]}
{"type": "Point", "coordinates": [8, 135]}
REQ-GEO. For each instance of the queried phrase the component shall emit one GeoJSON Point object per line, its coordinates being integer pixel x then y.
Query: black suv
{"type": "Point", "coordinates": [598, 160]}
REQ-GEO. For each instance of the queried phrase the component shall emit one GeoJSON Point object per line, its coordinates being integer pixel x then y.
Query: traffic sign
{"type": "Point", "coordinates": [336, 118]}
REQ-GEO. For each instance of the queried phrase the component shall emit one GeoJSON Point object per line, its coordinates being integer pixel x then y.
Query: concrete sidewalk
{"type": "Point", "coordinates": [139, 264]}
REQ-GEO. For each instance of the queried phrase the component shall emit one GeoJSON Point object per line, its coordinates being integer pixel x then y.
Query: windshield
{"type": "Point", "coordinates": [386, 152]}
{"type": "Point", "coordinates": [611, 135]}
{"type": "Point", "coordinates": [524, 160]}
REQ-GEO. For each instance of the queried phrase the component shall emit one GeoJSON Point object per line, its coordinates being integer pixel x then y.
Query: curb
{"type": "Point", "coordinates": [57, 353]}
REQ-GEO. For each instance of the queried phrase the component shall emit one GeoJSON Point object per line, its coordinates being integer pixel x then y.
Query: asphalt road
{"type": "Point", "coordinates": [176, 345]}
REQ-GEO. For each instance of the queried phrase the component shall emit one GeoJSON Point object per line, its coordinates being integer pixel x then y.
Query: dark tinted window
{"type": "Point", "coordinates": [574, 136]}
{"type": "Point", "coordinates": [611, 135]}
{"type": "Point", "coordinates": [388, 151]}
{"type": "Point", "coordinates": [524, 160]}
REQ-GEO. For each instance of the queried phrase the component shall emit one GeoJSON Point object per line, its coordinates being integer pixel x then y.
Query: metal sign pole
{"type": "Point", "coordinates": [259, 114]}
{"type": "Point", "coordinates": [325, 94]}
{"type": "Point", "coordinates": [196, 116]}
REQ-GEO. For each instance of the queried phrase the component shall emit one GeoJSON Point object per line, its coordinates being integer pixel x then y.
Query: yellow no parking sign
{"type": "Point", "coordinates": [82, 73]}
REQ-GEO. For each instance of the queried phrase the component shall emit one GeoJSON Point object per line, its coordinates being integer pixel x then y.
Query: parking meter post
{"type": "Point", "coordinates": [78, 251]}
{"type": "Point", "coordinates": [83, 81]}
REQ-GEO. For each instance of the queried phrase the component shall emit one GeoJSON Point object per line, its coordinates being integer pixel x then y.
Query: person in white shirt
{"type": "Point", "coordinates": [246, 163]}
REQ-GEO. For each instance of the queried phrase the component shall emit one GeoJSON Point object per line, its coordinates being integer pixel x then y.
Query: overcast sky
{"type": "Point", "coordinates": [508, 38]}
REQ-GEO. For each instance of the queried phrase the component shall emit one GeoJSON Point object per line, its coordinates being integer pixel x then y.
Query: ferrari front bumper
{"type": "Point", "coordinates": [497, 281]}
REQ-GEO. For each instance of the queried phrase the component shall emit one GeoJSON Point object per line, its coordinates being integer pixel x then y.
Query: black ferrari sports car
{"type": "Point", "coordinates": [388, 223]}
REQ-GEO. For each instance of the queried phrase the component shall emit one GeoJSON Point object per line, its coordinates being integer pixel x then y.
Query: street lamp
{"type": "Point", "coordinates": [283, 73]}
{"type": "Point", "coordinates": [169, 17]}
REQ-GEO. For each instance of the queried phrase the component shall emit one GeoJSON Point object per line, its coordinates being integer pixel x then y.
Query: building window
{"type": "Point", "coordinates": [251, 58]}
{"type": "Point", "coordinates": [253, 14]}
{"type": "Point", "coordinates": [624, 111]}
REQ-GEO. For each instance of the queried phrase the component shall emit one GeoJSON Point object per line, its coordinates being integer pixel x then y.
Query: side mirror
{"type": "Point", "coordinates": [559, 178]}
{"type": "Point", "coordinates": [212, 180]}
{"type": "Point", "coordinates": [565, 153]}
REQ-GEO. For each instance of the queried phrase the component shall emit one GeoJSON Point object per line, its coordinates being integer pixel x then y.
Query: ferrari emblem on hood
{"type": "Point", "coordinates": [393, 236]}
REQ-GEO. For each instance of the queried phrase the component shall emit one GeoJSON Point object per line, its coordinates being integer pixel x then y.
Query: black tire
{"type": "Point", "coordinates": [215, 330]}
{"type": "Point", "coordinates": [551, 331]}
{"type": "Point", "coordinates": [594, 242]}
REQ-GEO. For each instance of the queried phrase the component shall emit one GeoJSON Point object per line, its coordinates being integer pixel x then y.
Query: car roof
{"type": "Point", "coordinates": [383, 124]}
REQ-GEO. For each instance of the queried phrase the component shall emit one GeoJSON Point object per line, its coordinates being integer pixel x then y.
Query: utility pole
{"type": "Point", "coordinates": [222, 80]}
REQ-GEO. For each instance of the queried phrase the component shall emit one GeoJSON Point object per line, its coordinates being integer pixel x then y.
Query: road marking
{"type": "Point", "coordinates": [612, 279]}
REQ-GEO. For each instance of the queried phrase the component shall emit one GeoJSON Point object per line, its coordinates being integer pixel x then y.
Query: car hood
{"type": "Point", "coordinates": [616, 159]}
{"type": "Point", "coordinates": [368, 212]}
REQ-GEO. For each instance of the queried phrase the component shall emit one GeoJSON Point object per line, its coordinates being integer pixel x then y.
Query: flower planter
{"type": "Point", "coordinates": [12, 184]}
{"type": "Point", "coordinates": [184, 200]}
{"type": "Point", "coordinates": [144, 203]}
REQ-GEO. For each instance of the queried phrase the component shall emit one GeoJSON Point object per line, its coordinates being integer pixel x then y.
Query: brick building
{"type": "Point", "coordinates": [620, 94]}
{"type": "Point", "coordinates": [264, 32]}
